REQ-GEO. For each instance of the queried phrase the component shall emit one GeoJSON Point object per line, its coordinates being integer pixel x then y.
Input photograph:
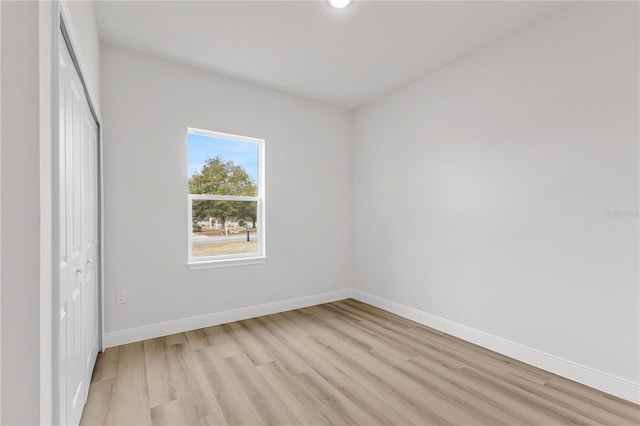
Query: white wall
{"type": "Point", "coordinates": [487, 182]}
{"type": "Point", "coordinates": [20, 214]}
{"type": "Point", "coordinates": [84, 25]}
{"type": "Point", "coordinates": [147, 105]}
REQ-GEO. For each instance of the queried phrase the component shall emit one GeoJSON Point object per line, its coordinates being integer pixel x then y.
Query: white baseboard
{"type": "Point", "coordinates": [606, 382]}
{"type": "Point", "coordinates": [178, 326]}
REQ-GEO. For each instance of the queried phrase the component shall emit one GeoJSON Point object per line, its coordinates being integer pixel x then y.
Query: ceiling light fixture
{"type": "Point", "coordinates": [339, 4]}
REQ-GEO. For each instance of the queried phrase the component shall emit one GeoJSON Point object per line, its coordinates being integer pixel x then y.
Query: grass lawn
{"type": "Point", "coordinates": [218, 232]}
{"type": "Point", "coordinates": [226, 247]}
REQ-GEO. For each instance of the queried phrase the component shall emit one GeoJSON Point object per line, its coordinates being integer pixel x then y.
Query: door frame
{"type": "Point", "coordinates": [54, 17]}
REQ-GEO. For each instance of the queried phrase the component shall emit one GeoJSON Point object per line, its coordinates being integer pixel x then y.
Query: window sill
{"type": "Point", "coordinates": [225, 263]}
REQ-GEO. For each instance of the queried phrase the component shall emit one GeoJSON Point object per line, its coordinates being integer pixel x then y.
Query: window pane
{"type": "Point", "coordinates": [220, 166]}
{"type": "Point", "coordinates": [220, 228]}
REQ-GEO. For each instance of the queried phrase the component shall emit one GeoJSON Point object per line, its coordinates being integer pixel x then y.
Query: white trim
{"type": "Point", "coordinates": [101, 230]}
{"type": "Point", "coordinates": [222, 197]}
{"type": "Point", "coordinates": [224, 258]}
{"type": "Point", "coordinates": [190, 229]}
{"type": "Point", "coordinates": [171, 327]}
{"type": "Point", "coordinates": [221, 135]}
{"type": "Point", "coordinates": [206, 262]}
{"type": "Point", "coordinates": [601, 380]}
{"type": "Point", "coordinates": [598, 379]}
{"type": "Point", "coordinates": [47, 57]}
{"type": "Point", "coordinates": [225, 263]}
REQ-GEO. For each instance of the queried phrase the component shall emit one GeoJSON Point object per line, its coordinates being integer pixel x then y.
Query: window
{"type": "Point", "coordinates": [225, 199]}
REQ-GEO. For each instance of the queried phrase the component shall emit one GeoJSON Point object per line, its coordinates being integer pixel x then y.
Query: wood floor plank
{"type": "Point", "coordinates": [308, 409]}
{"type": "Point", "coordinates": [265, 400]}
{"type": "Point", "coordinates": [358, 391]}
{"type": "Point", "coordinates": [542, 406]}
{"type": "Point", "coordinates": [385, 390]}
{"type": "Point", "coordinates": [399, 382]}
{"type": "Point", "coordinates": [593, 397]}
{"type": "Point", "coordinates": [366, 338]}
{"type": "Point", "coordinates": [174, 339]}
{"type": "Point", "coordinates": [488, 357]}
{"type": "Point", "coordinates": [235, 404]}
{"type": "Point", "coordinates": [300, 329]}
{"type": "Point", "coordinates": [190, 383]}
{"type": "Point", "coordinates": [97, 411]}
{"type": "Point", "coordinates": [478, 357]}
{"type": "Point", "coordinates": [458, 396]}
{"type": "Point", "coordinates": [199, 338]}
{"type": "Point", "coordinates": [248, 344]}
{"type": "Point", "coordinates": [386, 318]}
{"type": "Point", "coordinates": [396, 327]}
{"type": "Point", "coordinates": [218, 338]}
{"type": "Point", "coordinates": [485, 397]}
{"type": "Point", "coordinates": [106, 365]}
{"type": "Point", "coordinates": [343, 408]}
{"type": "Point", "coordinates": [320, 328]}
{"type": "Point", "coordinates": [288, 360]}
{"type": "Point", "coordinates": [169, 414]}
{"type": "Point", "coordinates": [478, 372]}
{"type": "Point", "coordinates": [161, 389]}
{"type": "Point", "coordinates": [566, 401]}
{"type": "Point", "coordinates": [130, 402]}
{"type": "Point", "coordinates": [340, 363]}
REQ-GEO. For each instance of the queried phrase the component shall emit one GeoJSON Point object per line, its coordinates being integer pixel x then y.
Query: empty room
{"type": "Point", "coordinates": [330, 212]}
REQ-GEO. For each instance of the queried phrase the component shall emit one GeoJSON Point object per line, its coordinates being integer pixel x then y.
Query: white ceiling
{"type": "Point", "coordinates": [344, 57]}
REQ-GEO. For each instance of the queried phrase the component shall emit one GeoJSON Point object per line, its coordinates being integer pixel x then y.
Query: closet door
{"type": "Point", "coordinates": [78, 238]}
{"type": "Point", "coordinates": [89, 183]}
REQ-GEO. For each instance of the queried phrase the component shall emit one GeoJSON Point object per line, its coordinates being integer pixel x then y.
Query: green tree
{"type": "Point", "coordinates": [219, 177]}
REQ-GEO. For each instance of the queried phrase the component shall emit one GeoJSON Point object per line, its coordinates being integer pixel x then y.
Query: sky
{"type": "Point", "coordinates": [200, 148]}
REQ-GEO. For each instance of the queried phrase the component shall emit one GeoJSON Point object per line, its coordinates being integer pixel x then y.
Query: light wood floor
{"type": "Point", "coordinates": [339, 363]}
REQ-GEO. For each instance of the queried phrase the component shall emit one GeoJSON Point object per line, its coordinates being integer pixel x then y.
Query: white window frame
{"type": "Point", "coordinates": [206, 262]}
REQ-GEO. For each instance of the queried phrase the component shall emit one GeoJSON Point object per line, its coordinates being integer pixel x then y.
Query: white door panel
{"type": "Point", "coordinates": [79, 243]}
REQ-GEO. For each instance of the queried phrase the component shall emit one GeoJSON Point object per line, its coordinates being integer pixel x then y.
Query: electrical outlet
{"type": "Point", "coordinates": [121, 297]}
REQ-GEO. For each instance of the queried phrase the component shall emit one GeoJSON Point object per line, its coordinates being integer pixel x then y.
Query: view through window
{"type": "Point", "coordinates": [225, 196]}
